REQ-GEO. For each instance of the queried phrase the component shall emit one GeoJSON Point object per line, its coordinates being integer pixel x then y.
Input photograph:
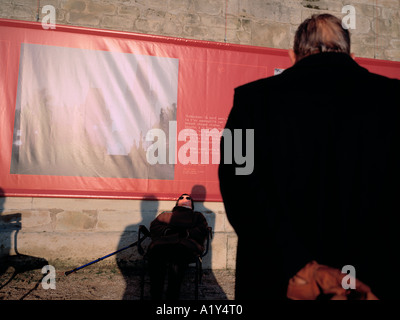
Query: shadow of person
{"type": "Point", "coordinates": [210, 290]}
{"type": "Point", "coordinates": [9, 226]}
{"type": "Point", "coordinates": [10, 258]}
{"type": "Point", "coordinates": [129, 261]}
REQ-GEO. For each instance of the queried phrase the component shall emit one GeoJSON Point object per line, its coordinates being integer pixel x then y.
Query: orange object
{"type": "Point", "coordinates": [315, 281]}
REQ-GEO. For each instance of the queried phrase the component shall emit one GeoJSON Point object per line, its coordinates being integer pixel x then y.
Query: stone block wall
{"type": "Point", "coordinates": [71, 232]}
{"type": "Point", "coordinates": [269, 23]}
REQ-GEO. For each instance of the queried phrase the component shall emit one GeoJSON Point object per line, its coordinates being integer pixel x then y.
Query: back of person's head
{"type": "Point", "coordinates": [321, 33]}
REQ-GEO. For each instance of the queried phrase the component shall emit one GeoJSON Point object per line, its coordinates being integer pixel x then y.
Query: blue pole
{"type": "Point", "coordinates": [102, 258]}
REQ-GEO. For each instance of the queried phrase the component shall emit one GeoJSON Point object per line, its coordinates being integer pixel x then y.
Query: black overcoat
{"type": "Point", "coordinates": [325, 184]}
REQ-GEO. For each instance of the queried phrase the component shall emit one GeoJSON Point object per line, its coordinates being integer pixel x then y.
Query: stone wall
{"type": "Point", "coordinates": [70, 232]}
{"type": "Point", "coordinates": [269, 23]}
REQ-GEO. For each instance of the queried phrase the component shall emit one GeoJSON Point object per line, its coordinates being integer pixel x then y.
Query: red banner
{"type": "Point", "coordinates": [97, 113]}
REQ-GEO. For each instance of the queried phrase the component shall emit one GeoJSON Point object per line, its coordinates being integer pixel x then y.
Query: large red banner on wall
{"type": "Point", "coordinates": [99, 113]}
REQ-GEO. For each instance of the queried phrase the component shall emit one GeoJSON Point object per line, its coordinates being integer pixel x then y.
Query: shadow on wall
{"type": "Point", "coordinates": [199, 194]}
{"type": "Point", "coordinates": [129, 261]}
{"type": "Point", "coordinates": [10, 258]}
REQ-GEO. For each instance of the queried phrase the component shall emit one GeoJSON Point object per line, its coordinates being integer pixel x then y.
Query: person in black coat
{"type": "Point", "coordinates": [325, 181]}
{"type": "Point", "coordinates": [177, 236]}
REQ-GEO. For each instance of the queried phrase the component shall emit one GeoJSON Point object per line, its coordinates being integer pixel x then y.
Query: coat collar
{"type": "Point", "coordinates": [327, 59]}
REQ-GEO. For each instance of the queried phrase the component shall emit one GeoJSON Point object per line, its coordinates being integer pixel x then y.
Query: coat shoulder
{"type": "Point", "coordinates": [257, 84]}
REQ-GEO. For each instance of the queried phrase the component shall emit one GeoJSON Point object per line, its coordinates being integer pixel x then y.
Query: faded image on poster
{"type": "Point", "coordinates": [86, 112]}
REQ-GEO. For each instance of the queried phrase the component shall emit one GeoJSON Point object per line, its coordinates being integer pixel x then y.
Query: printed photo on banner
{"type": "Point", "coordinates": [86, 112]}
